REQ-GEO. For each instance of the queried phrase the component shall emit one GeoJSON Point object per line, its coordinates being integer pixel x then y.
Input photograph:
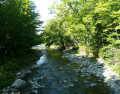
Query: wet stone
{"type": "Point", "coordinates": [15, 92]}
{"type": "Point", "coordinates": [19, 84]}
{"type": "Point", "coordinates": [92, 84]}
{"type": "Point", "coordinates": [35, 91]}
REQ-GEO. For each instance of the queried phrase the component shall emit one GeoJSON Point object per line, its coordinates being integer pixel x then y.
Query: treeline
{"type": "Point", "coordinates": [93, 23]}
{"type": "Point", "coordinates": [19, 23]}
{"type": "Point", "coordinates": [18, 26]}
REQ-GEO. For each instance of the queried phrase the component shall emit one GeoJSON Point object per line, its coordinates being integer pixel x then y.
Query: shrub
{"type": "Point", "coordinates": [110, 54]}
{"type": "Point", "coordinates": [116, 69]}
{"type": "Point", "coordinates": [117, 43]}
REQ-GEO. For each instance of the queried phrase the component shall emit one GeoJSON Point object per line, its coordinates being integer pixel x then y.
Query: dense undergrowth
{"type": "Point", "coordinates": [10, 65]}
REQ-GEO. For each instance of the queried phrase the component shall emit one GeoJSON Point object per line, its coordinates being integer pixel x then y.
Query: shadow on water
{"type": "Point", "coordinates": [56, 75]}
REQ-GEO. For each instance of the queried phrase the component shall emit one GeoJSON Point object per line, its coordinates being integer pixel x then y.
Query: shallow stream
{"type": "Point", "coordinates": [56, 75]}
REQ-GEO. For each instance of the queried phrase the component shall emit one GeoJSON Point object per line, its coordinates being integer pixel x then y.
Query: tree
{"type": "Point", "coordinates": [55, 33]}
{"type": "Point", "coordinates": [18, 26]}
{"type": "Point", "coordinates": [90, 22]}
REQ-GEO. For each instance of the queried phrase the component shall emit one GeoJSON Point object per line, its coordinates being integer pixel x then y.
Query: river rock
{"type": "Point", "coordinates": [92, 84]}
{"type": "Point", "coordinates": [61, 68]}
{"type": "Point", "coordinates": [98, 74]}
{"type": "Point", "coordinates": [15, 92]}
{"type": "Point", "coordinates": [97, 68]}
{"type": "Point", "coordinates": [19, 83]}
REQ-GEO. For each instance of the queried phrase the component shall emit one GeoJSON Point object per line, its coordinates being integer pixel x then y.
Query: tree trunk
{"type": "Point", "coordinates": [88, 31]}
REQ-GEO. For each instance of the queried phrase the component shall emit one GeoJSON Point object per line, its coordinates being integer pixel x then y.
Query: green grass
{"type": "Point", "coordinates": [116, 69]}
{"type": "Point", "coordinates": [9, 66]}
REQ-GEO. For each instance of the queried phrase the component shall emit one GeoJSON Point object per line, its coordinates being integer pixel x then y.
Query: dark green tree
{"type": "Point", "coordinates": [18, 23]}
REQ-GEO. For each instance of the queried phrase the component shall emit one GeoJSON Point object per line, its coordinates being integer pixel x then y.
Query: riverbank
{"type": "Point", "coordinates": [80, 68]}
{"type": "Point", "coordinates": [10, 66]}
{"type": "Point", "coordinates": [54, 74]}
{"type": "Point", "coordinates": [96, 67]}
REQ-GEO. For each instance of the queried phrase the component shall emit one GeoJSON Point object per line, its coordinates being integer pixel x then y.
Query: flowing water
{"type": "Point", "coordinates": [56, 75]}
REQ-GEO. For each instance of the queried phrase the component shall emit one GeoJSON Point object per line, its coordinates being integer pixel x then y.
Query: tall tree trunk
{"type": "Point", "coordinates": [88, 30]}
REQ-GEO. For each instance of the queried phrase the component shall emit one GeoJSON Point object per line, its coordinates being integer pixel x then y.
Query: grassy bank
{"type": "Point", "coordinates": [10, 65]}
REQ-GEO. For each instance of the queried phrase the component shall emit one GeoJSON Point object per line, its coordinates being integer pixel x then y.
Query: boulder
{"type": "Point", "coordinates": [19, 84]}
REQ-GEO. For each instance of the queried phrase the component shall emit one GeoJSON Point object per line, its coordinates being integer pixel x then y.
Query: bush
{"type": "Point", "coordinates": [106, 52]}
{"type": "Point", "coordinates": [117, 43]}
{"type": "Point", "coordinates": [116, 69]}
{"type": "Point", "coordinates": [110, 54]}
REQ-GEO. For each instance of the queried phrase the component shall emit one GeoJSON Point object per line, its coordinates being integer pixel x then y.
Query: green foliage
{"type": "Point", "coordinates": [18, 33]}
{"type": "Point", "coordinates": [117, 43]}
{"type": "Point", "coordinates": [116, 69]}
{"type": "Point", "coordinates": [6, 79]}
{"type": "Point", "coordinates": [92, 23]}
{"type": "Point", "coordinates": [106, 52]}
{"type": "Point", "coordinates": [9, 66]}
{"type": "Point", "coordinates": [110, 54]}
{"type": "Point", "coordinates": [18, 23]}
{"type": "Point", "coordinates": [55, 33]}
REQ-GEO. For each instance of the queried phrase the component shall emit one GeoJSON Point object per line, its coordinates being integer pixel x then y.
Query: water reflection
{"type": "Point", "coordinates": [39, 47]}
{"type": "Point", "coordinates": [41, 60]}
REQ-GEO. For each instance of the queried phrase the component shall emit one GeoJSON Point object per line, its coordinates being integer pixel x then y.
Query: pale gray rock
{"type": "Point", "coordinates": [93, 84]}
{"type": "Point", "coordinates": [19, 83]}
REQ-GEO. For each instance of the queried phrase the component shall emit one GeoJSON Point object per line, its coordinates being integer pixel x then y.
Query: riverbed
{"type": "Point", "coordinates": [57, 75]}
{"type": "Point", "coordinates": [54, 73]}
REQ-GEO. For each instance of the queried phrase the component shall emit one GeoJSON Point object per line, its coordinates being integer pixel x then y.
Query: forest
{"type": "Point", "coordinates": [91, 24]}
{"type": "Point", "coordinates": [94, 24]}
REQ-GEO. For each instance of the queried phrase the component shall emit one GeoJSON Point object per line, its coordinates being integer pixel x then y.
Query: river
{"type": "Point", "coordinates": [56, 75]}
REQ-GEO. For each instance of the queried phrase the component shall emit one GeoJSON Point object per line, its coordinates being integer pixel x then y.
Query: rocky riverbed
{"type": "Point", "coordinates": [63, 73]}
{"type": "Point", "coordinates": [97, 68]}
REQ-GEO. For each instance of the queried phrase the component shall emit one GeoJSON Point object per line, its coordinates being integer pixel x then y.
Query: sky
{"type": "Point", "coordinates": [42, 7]}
